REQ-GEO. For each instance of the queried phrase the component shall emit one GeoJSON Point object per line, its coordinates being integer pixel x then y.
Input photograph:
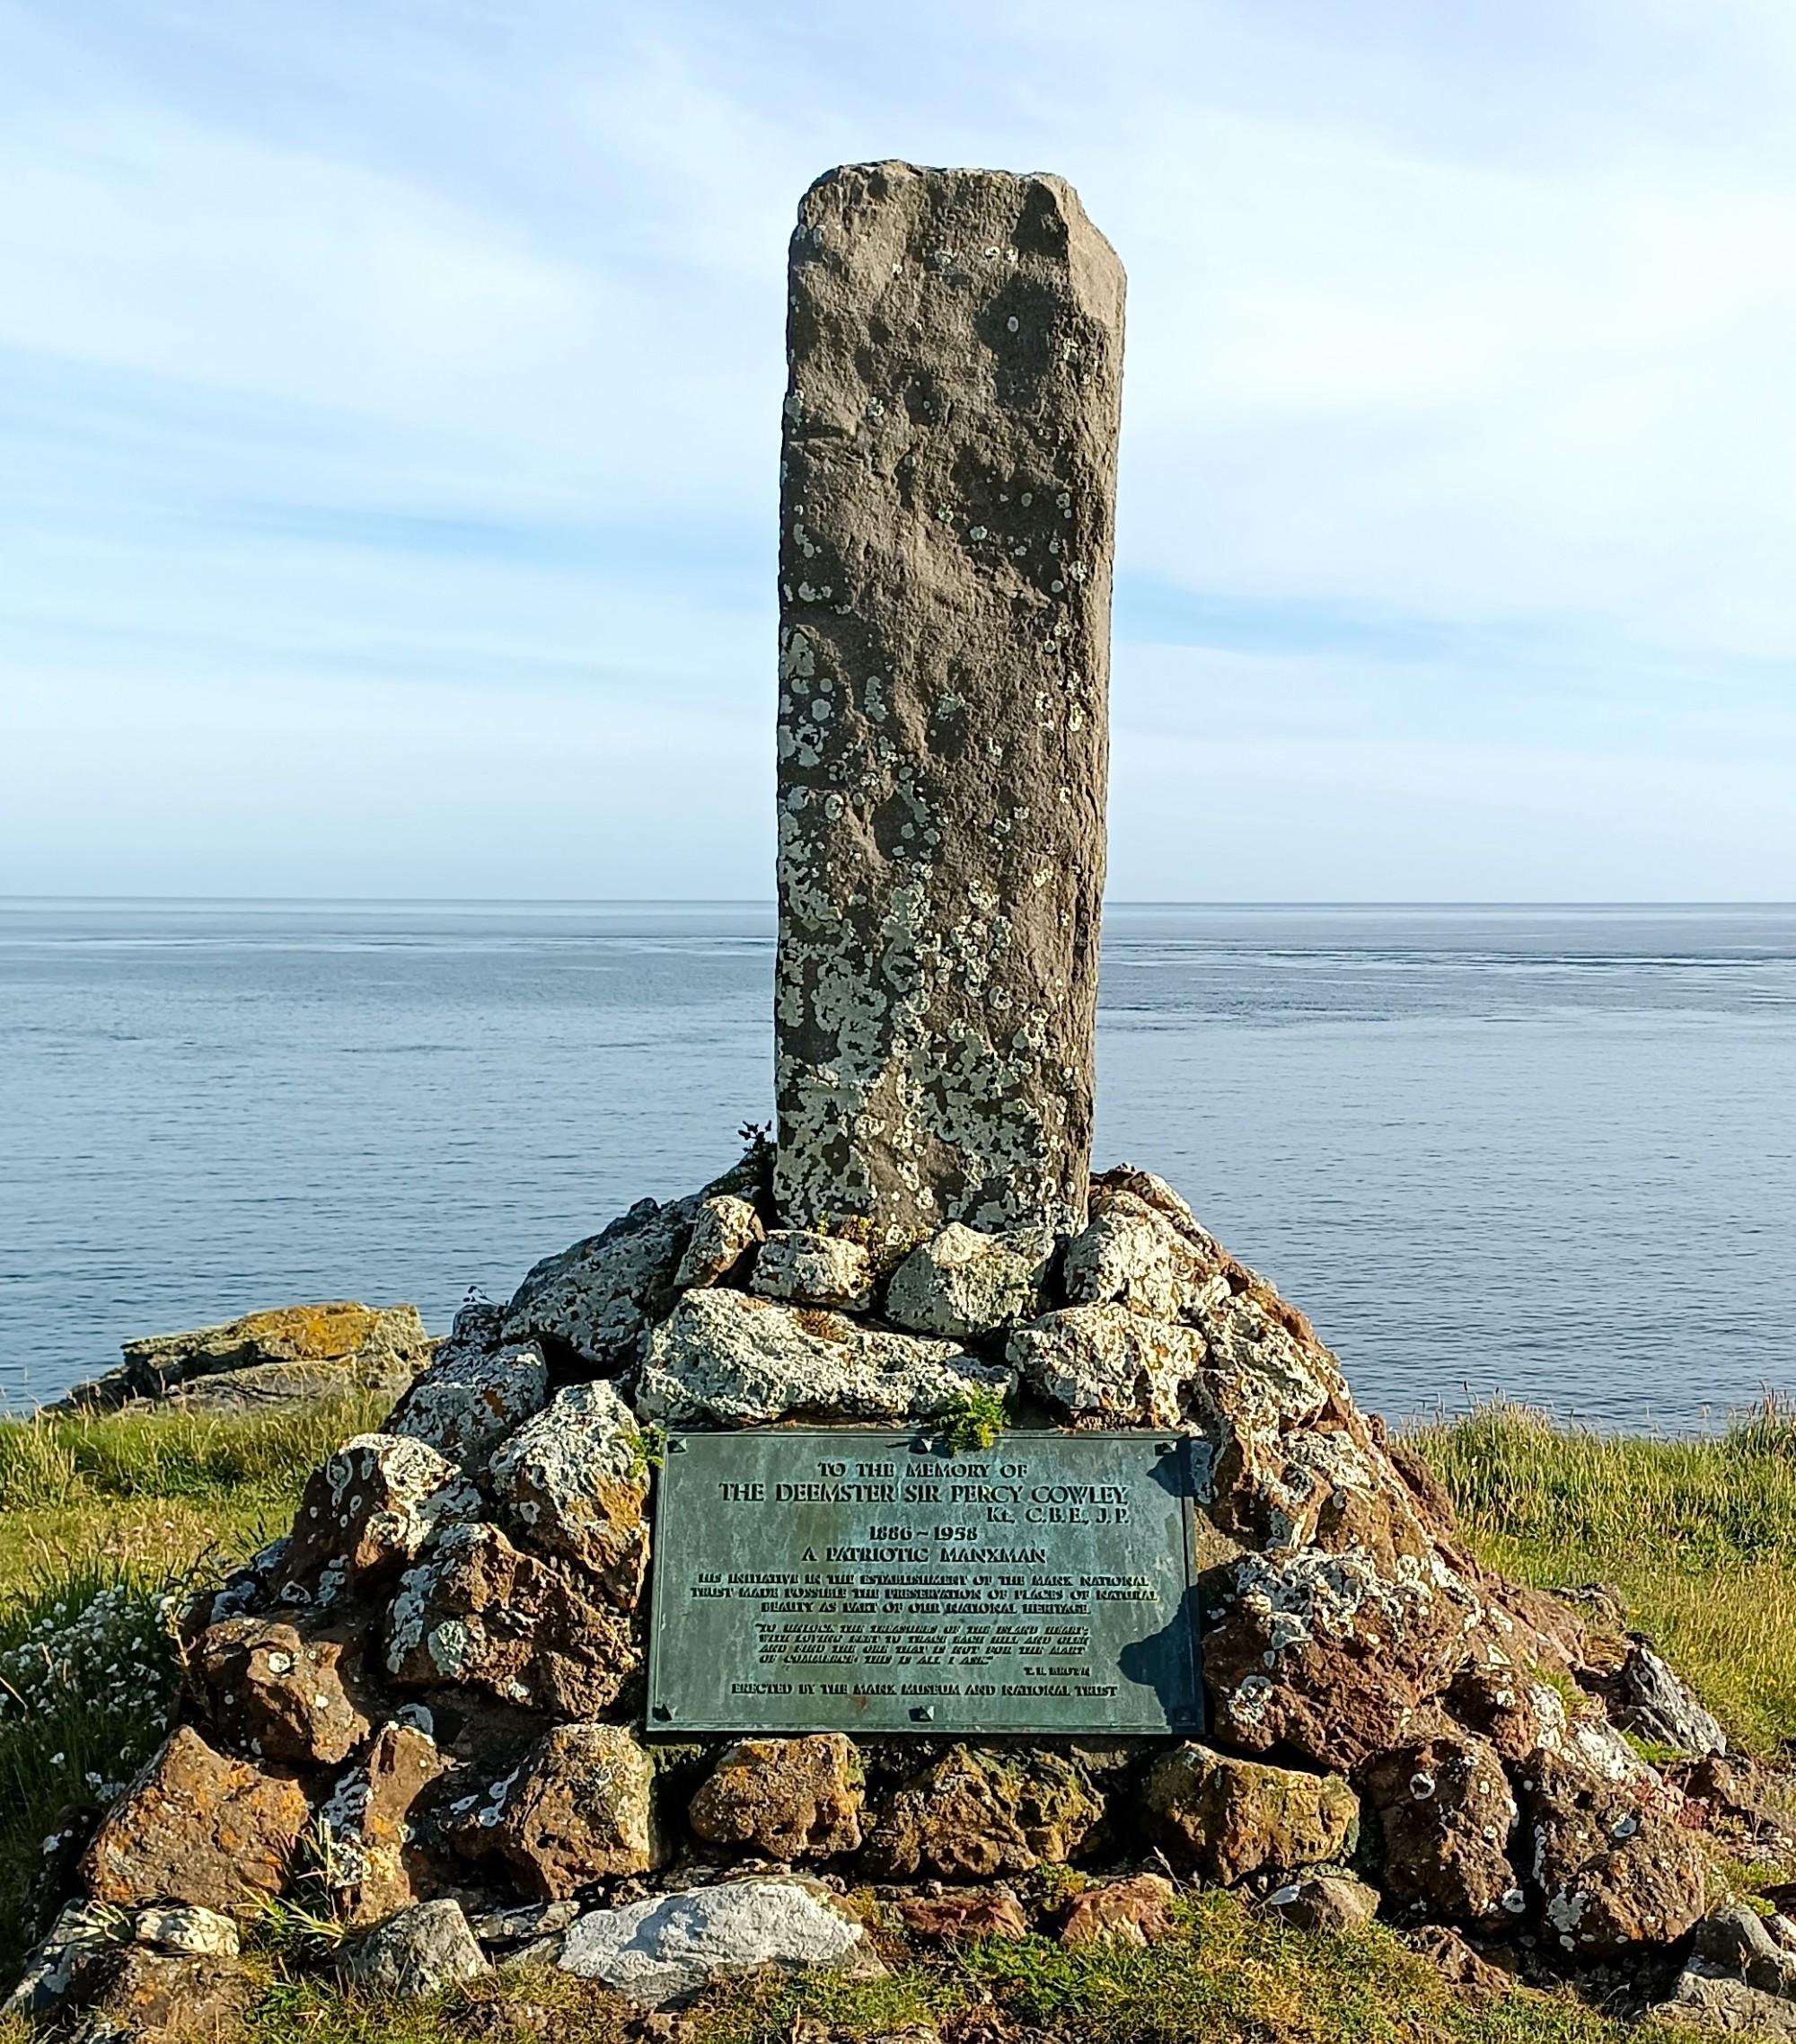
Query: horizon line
{"type": "Point", "coordinates": [768, 902]}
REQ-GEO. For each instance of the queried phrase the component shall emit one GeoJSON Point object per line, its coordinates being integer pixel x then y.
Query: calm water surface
{"type": "Point", "coordinates": [1545, 1152]}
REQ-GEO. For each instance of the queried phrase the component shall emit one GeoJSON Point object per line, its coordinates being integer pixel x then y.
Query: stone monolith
{"type": "Point", "coordinates": [947, 521]}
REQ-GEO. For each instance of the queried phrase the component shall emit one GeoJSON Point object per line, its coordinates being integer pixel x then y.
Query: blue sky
{"type": "Point", "coordinates": [389, 401]}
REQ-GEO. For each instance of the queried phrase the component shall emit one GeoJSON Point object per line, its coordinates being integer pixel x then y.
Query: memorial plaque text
{"type": "Point", "coordinates": [832, 1581]}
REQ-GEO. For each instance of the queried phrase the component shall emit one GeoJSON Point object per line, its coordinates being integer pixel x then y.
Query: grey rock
{"type": "Point", "coordinates": [1109, 1362]}
{"type": "Point", "coordinates": [946, 522]}
{"type": "Point", "coordinates": [365, 1511]}
{"type": "Point", "coordinates": [471, 1399]}
{"type": "Point", "coordinates": [666, 1948]}
{"type": "Point", "coordinates": [807, 1269]}
{"type": "Point", "coordinates": [520, 1926]}
{"type": "Point", "coordinates": [1135, 1260]}
{"type": "Point", "coordinates": [573, 1481]}
{"type": "Point", "coordinates": [1716, 2003]}
{"type": "Point", "coordinates": [1648, 1700]}
{"type": "Point", "coordinates": [202, 1932]}
{"type": "Point", "coordinates": [419, 1950]}
{"type": "Point", "coordinates": [725, 1232]}
{"type": "Point", "coordinates": [1126, 1188]}
{"type": "Point", "coordinates": [80, 1930]}
{"type": "Point", "coordinates": [1735, 1942]}
{"type": "Point", "coordinates": [1325, 1902]}
{"type": "Point", "coordinates": [728, 1359]}
{"type": "Point", "coordinates": [601, 1297]}
{"type": "Point", "coordinates": [962, 1283]}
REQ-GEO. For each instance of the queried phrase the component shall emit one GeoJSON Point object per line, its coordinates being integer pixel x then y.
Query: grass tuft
{"type": "Point", "coordinates": [1698, 1535]}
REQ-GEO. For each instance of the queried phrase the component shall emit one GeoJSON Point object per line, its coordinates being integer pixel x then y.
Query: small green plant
{"type": "Point", "coordinates": [975, 1419]}
{"type": "Point", "coordinates": [280, 1924]}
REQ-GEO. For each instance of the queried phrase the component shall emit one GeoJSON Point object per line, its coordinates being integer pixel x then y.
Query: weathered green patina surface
{"type": "Point", "coordinates": [828, 1580]}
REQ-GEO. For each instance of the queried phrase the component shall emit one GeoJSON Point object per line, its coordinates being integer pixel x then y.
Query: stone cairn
{"type": "Point", "coordinates": [423, 1710]}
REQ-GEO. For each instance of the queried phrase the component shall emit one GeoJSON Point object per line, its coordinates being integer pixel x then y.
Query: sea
{"type": "Point", "coordinates": [1539, 1153]}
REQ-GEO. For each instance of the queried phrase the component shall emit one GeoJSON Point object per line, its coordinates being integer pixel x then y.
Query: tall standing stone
{"type": "Point", "coordinates": [947, 521]}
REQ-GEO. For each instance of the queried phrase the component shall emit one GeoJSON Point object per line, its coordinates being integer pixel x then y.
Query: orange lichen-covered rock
{"type": "Point", "coordinates": [1121, 1912]}
{"type": "Point", "coordinates": [788, 1798]}
{"type": "Point", "coordinates": [196, 1827]}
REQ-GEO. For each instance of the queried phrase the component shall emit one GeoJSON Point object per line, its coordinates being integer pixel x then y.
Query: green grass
{"type": "Point", "coordinates": [1227, 1974]}
{"type": "Point", "coordinates": [1698, 1535]}
{"type": "Point", "coordinates": [100, 1521]}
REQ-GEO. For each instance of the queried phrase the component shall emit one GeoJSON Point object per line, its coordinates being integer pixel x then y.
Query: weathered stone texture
{"type": "Point", "coordinates": [666, 1948]}
{"type": "Point", "coordinates": [1229, 1817]}
{"type": "Point", "coordinates": [575, 1811]}
{"type": "Point", "coordinates": [788, 1798]}
{"type": "Point", "coordinates": [964, 1284]}
{"type": "Point", "coordinates": [196, 1828]}
{"type": "Point", "coordinates": [726, 1358]}
{"type": "Point", "coordinates": [955, 346]}
{"type": "Point", "coordinates": [974, 1815]}
{"type": "Point", "coordinates": [277, 1691]}
{"type": "Point", "coordinates": [374, 1864]}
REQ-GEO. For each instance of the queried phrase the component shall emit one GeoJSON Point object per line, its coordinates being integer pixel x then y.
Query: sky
{"type": "Point", "coordinates": [388, 422]}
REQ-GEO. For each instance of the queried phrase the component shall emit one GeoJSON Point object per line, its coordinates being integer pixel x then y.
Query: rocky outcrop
{"type": "Point", "coordinates": [1446, 1816]}
{"type": "Point", "coordinates": [291, 1355]}
{"type": "Point", "coordinates": [725, 1231]}
{"type": "Point", "coordinates": [430, 1690]}
{"type": "Point", "coordinates": [807, 1269]}
{"type": "Point", "coordinates": [366, 1512]}
{"type": "Point", "coordinates": [539, 1634]}
{"type": "Point", "coordinates": [148, 1997]}
{"type": "Point", "coordinates": [371, 1860]}
{"type": "Point", "coordinates": [1105, 1362]}
{"type": "Point", "coordinates": [573, 1482]}
{"type": "Point", "coordinates": [1738, 1979]}
{"type": "Point", "coordinates": [964, 1913]}
{"type": "Point", "coordinates": [474, 1392]}
{"type": "Point", "coordinates": [416, 1952]}
{"type": "Point", "coordinates": [1613, 1870]}
{"type": "Point", "coordinates": [1325, 1902]}
{"type": "Point", "coordinates": [726, 1359]}
{"type": "Point", "coordinates": [787, 1799]}
{"type": "Point", "coordinates": [1137, 1911]}
{"type": "Point", "coordinates": [1647, 1699]}
{"type": "Point", "coordinates": [278, 1691]}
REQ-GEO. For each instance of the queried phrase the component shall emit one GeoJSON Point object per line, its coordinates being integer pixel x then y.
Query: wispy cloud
{"type": "Point", "coordinates": [397, 384]}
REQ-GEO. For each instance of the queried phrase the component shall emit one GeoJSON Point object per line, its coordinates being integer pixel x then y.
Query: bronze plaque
{"type": "Point", "coordinates": [830, 1580]}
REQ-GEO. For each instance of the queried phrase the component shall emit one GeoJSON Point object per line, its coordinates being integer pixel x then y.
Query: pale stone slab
{"type": "Point", "coordinates": [947, 511]}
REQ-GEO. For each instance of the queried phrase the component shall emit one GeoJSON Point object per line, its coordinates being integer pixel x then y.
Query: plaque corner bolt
{"type": "Point", "coordinates": [923, 1714]}
{"type": "Point", "coordinates": [1165, 1447]}
{"type": "Point", "coordinates": [662, 1713]}
{"type": "Point", "coordinates": [675, 1445]}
